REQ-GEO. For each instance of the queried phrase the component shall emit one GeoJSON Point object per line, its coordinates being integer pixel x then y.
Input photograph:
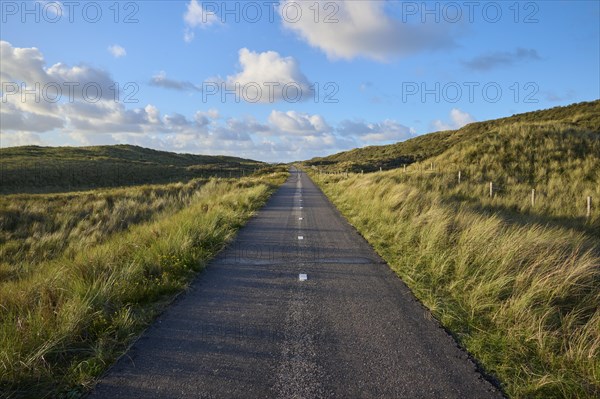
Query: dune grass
{"type": "Point", "coordinates": [33, 169]}
{"type": "Point", "coordinates": [582, 117]}
{"type": "Point", "coordinates": [37, 228]}
{"type": "Point", "coordinates": [516, 282]}
{"type": "Point", "coordinates": [518, 288]}
{"type": "Point", "coordinates": [66, 320]}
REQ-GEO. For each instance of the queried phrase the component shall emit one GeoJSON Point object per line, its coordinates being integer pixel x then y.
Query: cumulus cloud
{"type": "Point", "coordinates": [386, 131]}
{"type": "Point", "coordinates": [25, 68]}
{"type": "Point", "coordinates": [161, 80]}
{"type": "Point", "coordinates": [458, 119]}
{"type": "Point", "coordinates": [16, 119]}
{"type": "Point", "coordinates": [197, 16]}
{"type": "Point", "coordinates": [362, 28]}
{"type": "Point", "coordinates": [284, 135]}
{"type": "Point", "coordinates": [268, 77]}
{"type": "Point", "coordinates": [21, 64]}
{"type": "Point", "coordinates": [111, 117]}
{"type": "Point", "coordinates": [117, 51]}
{"type": "Point", "coordinates": [20, 138]}
{"type": "Point", "coordinates": [501, 59]}
{"type": "Point", "coordinates": [297, 123]}
{"type": "Point", "coordinates": [34, 95]}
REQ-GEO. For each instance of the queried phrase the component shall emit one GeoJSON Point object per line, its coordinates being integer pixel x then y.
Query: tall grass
{"type": "Point", "coordinates": [63, 324]}
{"type": "Point", "coordinates": [37, 228]}
{"type": "Point", "coordinates": [521, 295]}
{"type": "Point", "coordinates": [578, 123]}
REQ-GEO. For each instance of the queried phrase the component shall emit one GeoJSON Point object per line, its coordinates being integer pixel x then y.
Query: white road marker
{"type": "Point", "coordinates": [300, 218]}
{"type": "Point", "coordinates": [301, 237]}
{"type": "Point", "coordinates": [302, 277]}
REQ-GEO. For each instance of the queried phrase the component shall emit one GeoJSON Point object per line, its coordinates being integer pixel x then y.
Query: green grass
{"type": "Point", "coordinates": [37, 228]}
{"type": "Point", "coordinates": [517, 285]}
{"type": "Point", "coordinates": [35, 169]}
{"type": "Point", "coordinates": [68, 317]}
{"type": "Point", "coordinates": [582, 117]}
{"type": "Point", "coordinates": [521, 297]}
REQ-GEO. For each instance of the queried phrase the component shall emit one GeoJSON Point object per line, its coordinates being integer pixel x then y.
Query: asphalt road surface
{"type": "Point", "coordinates": [251, 327]}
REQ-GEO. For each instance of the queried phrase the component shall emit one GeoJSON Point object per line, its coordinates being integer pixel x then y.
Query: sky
{"type": "Point", "coordinates": [284, 80]}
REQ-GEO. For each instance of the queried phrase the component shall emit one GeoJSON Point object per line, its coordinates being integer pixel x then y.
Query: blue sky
{"type": "Point", "coordinates": [385, 71]}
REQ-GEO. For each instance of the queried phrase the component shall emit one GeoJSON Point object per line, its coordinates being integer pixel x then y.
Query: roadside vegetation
{"type": "Point", "coordinates": [82, 274]}
{"type": "Point", "coordinates": [517, 283]}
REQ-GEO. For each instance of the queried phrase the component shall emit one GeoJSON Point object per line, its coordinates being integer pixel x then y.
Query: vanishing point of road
{"type": "Point", "coordinates": [251, 325]}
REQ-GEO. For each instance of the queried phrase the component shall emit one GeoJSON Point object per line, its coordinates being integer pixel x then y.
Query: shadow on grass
{"type": "Point", "coordinates": [513, 216]}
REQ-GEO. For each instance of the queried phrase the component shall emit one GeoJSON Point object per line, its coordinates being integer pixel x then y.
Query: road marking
{"type": "Point", "coordinates": [302, 277]}
{"type": "Point", "coordinates": [301, 237]}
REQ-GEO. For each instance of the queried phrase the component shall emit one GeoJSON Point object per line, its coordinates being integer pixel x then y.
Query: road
{"type": "Point", "coordinates": [249, 327]}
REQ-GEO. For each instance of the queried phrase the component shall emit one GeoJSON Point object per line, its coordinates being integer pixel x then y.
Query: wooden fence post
{"type": "Point", "coordinates": [459, 176]}
{"type": "Point", "coordinates": [404, 168]}
{"type": "Point", "coordinates": [491, 189]}
{"type": "Point", "coordinates": [532, 197]}
{"type": "Point", "coordinates": [589, 206]}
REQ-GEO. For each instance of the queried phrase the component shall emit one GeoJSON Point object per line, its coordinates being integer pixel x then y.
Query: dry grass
{"type": "Point", "coordinates": [68, 318]}
{"type": "Point", "coordinates": [518, 287]}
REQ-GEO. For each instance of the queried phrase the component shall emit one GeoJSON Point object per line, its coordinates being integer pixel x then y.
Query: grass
{"type": "Point", "coordinates": [33, 169]}
{"type": "Point", "coordinates": [522, 298]}
{"type": "Point", "coordinates": [581, 117]}
{"type": "Point", "coordinates": [37, 228]}
{"type": "Point", "coordinates": [67, 318]}
{"type": "Point", "coordinates": [517, 284]}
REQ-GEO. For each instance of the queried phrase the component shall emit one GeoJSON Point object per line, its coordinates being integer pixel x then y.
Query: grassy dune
{"type": "Point", "coordinates": [123, 256]}
{"type": "Point", "coordinates": [517, 284]}
{"type": "Point", "coordinates": [581, 117]}
{"type": "Point", "coordinates": [522, 298]}
{"type": "Point", "coordinates": [33, 169]}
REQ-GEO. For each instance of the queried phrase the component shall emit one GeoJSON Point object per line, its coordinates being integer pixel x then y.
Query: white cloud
{"type": "Point", "coordinates": [268, 77]}
{"type": "Point", "coordinates": [458, 119]}
{"type": "Point", "coordinates": [386, 131]}
{"type": "Point", "coordinates": [361, 28]}
{"type": "Point", "coordinates": [117, 51]}
{"type": "Point", "coordinates": [14, 118]}
{"type": "Point", "coordinates": [153, 114]}
{"type": "Point", "coordinates": [21, 64]}
{"type": "Point", "coordinates": [197, 16]}
{"type": "Point", "coordinates": [20, 138]}
{"type": "Point", "coordinates": [284, 135]}
{"type": "Point", "coordinates": [297, 123]}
